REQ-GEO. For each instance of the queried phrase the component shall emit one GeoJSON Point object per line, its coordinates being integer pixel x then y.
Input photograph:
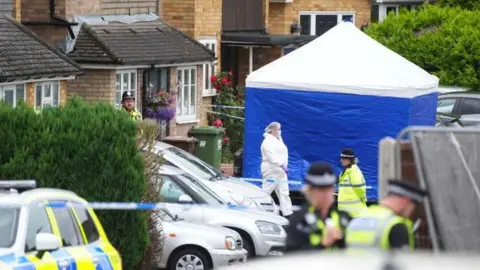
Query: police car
{"type": "Point", "coordinates": [41, 237]}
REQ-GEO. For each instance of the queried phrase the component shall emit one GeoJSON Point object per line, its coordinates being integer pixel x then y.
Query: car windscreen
{"type": "Point", "coordinates": [196, 166]}
{"type": "Point", "coordinates": [8, 226]}
{"type": "Point", "coordinates": [208, 195]}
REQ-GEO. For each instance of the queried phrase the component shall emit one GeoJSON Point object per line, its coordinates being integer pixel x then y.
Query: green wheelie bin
{"type": "Point", "coordinates": [210, 141]}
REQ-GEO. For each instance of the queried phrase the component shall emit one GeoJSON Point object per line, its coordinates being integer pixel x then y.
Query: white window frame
{"type": "Point", "coordinates": [47, 100]}
{"type": "Point", "coordinates": [207, 68]}
{"type": "Point", "coordinates": [13, 87]}
{"type": "Point", "coordinates": [128, 73]}
{"type": "Point", "coordinates": [189, 117]}
{"type": "Point", "coordinates": [312, 15]}
{"type": "Point", "coordinates": [382, 9]}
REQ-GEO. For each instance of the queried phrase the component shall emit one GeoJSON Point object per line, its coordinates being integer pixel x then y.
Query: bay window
{"type": "Point", "coordinates": [12, 93]}
{"type": "Point", "coordinates": [125, 80]}
{"type": "Point", "coordinates": [47, 94]}
{"type": "Point", "coordinates": [187, 94]}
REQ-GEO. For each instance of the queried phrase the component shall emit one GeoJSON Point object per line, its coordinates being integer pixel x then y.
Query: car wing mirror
{"type": "Point", "coordinates": [184, 198]}
{"type": "Point", "coordinates": [46, 242]}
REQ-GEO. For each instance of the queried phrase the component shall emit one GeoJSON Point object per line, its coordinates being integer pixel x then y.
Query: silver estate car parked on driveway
{"type": "Point", "coordinates": [262, 232]}
{"type": "Point", "coordinates": [231, 190]}
{"type": "Point", "coordinates": [191, 246]}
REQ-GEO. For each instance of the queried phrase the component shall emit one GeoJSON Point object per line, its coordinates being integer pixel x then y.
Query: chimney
{"type": "Point", "coordinates": [17, 10]}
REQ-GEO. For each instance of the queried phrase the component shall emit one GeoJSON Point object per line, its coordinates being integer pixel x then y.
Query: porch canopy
{"type": "Point", "coordinates": [343, 89]}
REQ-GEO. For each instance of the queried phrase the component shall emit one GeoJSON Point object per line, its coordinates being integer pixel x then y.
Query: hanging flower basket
{"type": "Point", "coordinates": [161, 107]}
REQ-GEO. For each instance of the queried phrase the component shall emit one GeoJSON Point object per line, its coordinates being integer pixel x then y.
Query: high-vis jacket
{"type": "Point", "coordinates": [371, 229]}
{"type": "Point", "coordinates": [135, 115]}
{"type": "Point", "coordinates": [352, 192]}
{"type": "Point", "coordinates": [306, 230]}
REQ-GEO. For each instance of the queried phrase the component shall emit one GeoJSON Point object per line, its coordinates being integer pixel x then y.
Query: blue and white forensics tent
{"type": "Point", "coordinates": [342, 89]}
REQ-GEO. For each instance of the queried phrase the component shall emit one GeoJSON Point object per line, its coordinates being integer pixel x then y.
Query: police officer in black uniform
{"type": "Point", "coordinates": [319, 225]}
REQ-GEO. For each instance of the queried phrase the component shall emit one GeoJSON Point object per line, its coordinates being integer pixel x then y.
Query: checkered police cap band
{"type": "Point", "coordinates": [321, 180]}
{"type": "Point", "coordinates": [347, 156]}
{"type": "Point", "coordinates": [401, 191]}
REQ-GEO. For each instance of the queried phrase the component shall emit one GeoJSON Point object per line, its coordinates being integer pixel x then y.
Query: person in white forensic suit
{"type": "Point", "coordinates": [274, 167]}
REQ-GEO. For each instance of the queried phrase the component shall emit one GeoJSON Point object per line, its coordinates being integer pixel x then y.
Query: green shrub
{"type": "Point", "coordinates": [444, 41]}
{"type": "Point", "coordinates": [89, 149]}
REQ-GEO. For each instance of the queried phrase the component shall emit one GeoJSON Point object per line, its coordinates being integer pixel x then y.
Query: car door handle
{"type": "Point", "coordinates": [63, 264]}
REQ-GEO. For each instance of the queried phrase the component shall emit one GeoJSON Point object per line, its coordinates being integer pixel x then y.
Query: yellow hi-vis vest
{"type": "Point", "coordinates": [135, 115]}
{"type": "Point", "coordinates": [371, 229]}
{"type": "Point", "coordinates": [316, 237]}
{"type": "Point", "coordinates": [352, 193]}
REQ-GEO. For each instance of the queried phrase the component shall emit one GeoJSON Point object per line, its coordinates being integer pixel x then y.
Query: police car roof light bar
{"type": "Point", "coordinates": [18, 184]}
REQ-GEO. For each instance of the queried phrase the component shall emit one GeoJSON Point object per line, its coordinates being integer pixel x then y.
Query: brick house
{"type": "Point", "coordinates": [59, 22]}
{"type": "Point", "coordinates": [254, 40]}
{"type": "Point", "coordinates": [30, 69]}
{"type": "Point", "coordinates": [142, 55]}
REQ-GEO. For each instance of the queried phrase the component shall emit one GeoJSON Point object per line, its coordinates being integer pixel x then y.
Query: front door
{"type": "Point", "coordinates": [323, 23]}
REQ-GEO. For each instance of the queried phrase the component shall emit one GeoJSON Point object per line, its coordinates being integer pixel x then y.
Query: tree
{"type": "Point", "coordinates": [444, 41]}
{"type": "Point", "coordinates": [89, 149]}
{"type": "Point", "coordinates": [465, 4]}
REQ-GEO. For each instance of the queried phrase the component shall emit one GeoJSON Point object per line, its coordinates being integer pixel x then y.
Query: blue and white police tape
{"type": "Point", "coordinates": [225, 106]}
{"type": "Point", "coordinates": [143, 206]}
{"type": "Point", "coordinates": [227, 115]}
{"type": "Point", "coordinates": [292, 182]}
{"type": "Point", "coordinates": [258, 180]}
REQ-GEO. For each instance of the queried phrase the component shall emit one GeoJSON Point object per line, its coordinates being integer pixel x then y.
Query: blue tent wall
{"type": "Point", "coordinates": [317, 125]}
{"type": "Point", "coordinates": [423, 110]}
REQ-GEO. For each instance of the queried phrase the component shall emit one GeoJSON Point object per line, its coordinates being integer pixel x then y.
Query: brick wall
{"type": "Point", "coordinates": [180, 14]}
{"type": "Point", "coordinates": [282, 15]}
{"type": "Point", "coordinates": [111, 7]}
{"type": "Point", "coordinates": [94, 86]}
{"type": "Point", "coordinates": [182, 129]}
{"type": "Point", "coordinates": [30, 92]}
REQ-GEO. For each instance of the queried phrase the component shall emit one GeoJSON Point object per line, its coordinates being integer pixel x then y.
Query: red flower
{"type": "Point", "coordinates": [160, 92]}
{"type": "Point", "coordinates": [229, 84]}
{"type": "Point", "coordinates": [230, 74]}
{"type": "Point", "coordinates": [225, 80]}
{"type": "Point", "coordinates": [218, 123]}
{"type": "Point", "coordinates": [213, 78]}
{"type": "Point", "coordinates": [216, 86]}
{"type": "Point", "coordinates": [226, 140]}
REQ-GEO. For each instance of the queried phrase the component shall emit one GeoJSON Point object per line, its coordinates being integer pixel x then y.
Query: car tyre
{"type": "Point", "coordinates": [248, 246]}
{"type": "Point", "coordinates": [189, 257]}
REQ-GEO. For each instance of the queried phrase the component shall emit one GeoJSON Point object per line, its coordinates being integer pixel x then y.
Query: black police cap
{"type": "Point", "coordinates": [321, 174]}
{"type": "Point", "coordinates": [407, 188]}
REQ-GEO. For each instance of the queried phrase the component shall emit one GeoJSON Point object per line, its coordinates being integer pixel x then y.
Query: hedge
{"type": "Point", "coordinates": [89, 149]}
{"type": "Point", "coordinates": [444, 41]}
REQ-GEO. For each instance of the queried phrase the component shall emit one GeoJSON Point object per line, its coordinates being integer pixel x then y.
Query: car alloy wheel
{"type": "Point", "coordinates": [189, 260]}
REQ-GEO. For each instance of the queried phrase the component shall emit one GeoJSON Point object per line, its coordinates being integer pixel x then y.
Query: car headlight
{"type": "Point", "coordinates": [266, 227]}
{"type": "Point", "coordinates": [245, 201]}
{"type": "Point", "coordinates": [229, 243]}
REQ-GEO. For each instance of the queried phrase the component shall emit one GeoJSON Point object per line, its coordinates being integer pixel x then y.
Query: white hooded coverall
{"type": "Point", "coordinates": [274, 156]}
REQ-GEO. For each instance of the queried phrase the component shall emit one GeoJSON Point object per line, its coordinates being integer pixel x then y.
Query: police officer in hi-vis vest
{"type": "Point", "coordinates": [387, 226]}
{"type": "Point", "coordinates": [128, 104]}
{"type": "Point", "coordinates": [352, 192]}
{"type": "Point", "coordinates": [319, 225]}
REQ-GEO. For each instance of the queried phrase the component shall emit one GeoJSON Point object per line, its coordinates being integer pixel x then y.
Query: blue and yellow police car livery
{"type": "Point", "coordinates": [36, 237]}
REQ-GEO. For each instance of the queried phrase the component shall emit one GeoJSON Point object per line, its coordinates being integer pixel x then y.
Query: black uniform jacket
{"type": "Point", "coordinates": [298, 230]}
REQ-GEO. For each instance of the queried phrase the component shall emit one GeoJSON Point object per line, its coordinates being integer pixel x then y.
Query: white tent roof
{"type": "Point", "coordinates": [345, 60]}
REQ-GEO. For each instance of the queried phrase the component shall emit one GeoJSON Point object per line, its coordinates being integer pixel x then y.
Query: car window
{"type": "Point", "coordinates": [446, 105]}
{"type": "Point", "coordinates": [191, 163]}
{"type": "Point", "coordinates": [38, 222]}
{"type": "Point", "coordinates": [8, 226]}
{"type": "Point", "coordinates": [470, 106]}
{"type": "Point", "coordinates": [204, 192]}
{"type": "Point", "coordinates": [86, 221]}
{"type": "Point", "coordinates": [68, 227]}
{"type": "Point", "coordinates": [169, 190]}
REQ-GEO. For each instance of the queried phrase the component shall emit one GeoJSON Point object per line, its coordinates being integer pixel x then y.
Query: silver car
{"type": "Point", "coordinates": [198, 246]}
{"type": "Point", "coordinates": [229, 189]}
{"type": "Point", "coordinates": [188, 198]}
